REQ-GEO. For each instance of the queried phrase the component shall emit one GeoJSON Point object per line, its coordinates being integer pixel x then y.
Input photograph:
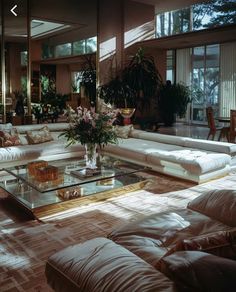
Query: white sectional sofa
{"type": "Point", "coordinates": [52, 150]}
{"type": "Point", "coordinates": [190, 159]}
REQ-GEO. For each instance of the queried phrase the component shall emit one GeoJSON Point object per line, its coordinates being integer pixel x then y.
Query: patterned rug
{"type": "Point", "coordinates": [26, 244]}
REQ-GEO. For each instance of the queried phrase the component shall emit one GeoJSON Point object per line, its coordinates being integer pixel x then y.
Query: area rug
{"type": "Point", "coordinates": [26, 245]}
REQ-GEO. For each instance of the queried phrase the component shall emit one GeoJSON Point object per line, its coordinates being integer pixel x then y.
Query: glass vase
{"type": "Point", "coordinates": [91, 155]}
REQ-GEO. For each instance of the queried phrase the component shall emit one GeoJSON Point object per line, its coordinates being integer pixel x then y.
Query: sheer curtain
{"type": "Point", "coordinates": [183, 72]}
{"type": "Point", "coordinates": [227, 78]}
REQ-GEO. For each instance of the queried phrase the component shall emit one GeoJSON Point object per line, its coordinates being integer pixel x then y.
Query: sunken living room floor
{"type": "Point", "coordinates": [26, 244]}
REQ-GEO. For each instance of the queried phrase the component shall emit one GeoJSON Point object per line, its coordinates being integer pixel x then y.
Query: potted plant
{"type": "Point", "coordinates": [50, 107]}
{"type": "Point", "coordinates": [173, 100]}
{"type": "Point", "coordinates": [119, 94]}
{"type": "Point", "coordinates": [143, 78]}
{"type": "Point", "coordinates": [88, 80]}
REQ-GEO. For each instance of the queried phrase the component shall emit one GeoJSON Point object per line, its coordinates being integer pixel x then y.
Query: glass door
{"type": "Point", "coordinates": [205, 82]}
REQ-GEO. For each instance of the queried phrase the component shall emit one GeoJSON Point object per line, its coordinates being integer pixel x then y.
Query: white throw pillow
{"type": "Point", "coordinates": [40, 136]}
{"type": "Point", "coordinates": [123, 131]}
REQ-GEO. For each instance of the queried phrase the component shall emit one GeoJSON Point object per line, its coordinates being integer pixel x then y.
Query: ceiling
{"type": "Point", "coordinates": [80, 18]}
{"type": "Point", "coordinates": [167, 5]}
{"type": "Point", "coordinates": [74, 14]}
{"type": "Point", "coordinates": [192, 39]}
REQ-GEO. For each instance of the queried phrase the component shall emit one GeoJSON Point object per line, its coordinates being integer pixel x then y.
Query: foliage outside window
{"type": "Point", "coordinates": [63, 50]}
{"type": "Point", "coordinates": [91, 45]}
{"type": "Point", "coordinates": [24, 85]}
{"type": "Point", "coordinates": [170, 65]}
{"type": "Point", "coordinates": [205, 79]}
{"type": "Point", "coordinates": [23, 58]}
{"type": "Point", "coordinates": [80, 47]}
{"type": "Point", "coordinates": [47, 51]}
{"type": "Point", "coordinates": [205, 15]}
{"type": "Point", "coordinates": [75, 82]}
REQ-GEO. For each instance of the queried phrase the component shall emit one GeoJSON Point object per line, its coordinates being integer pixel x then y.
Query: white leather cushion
{"type": "Point", "coordinates": [36, 151]}
{"type": "Point", "coordinates": [193, 160]}
{"type": "Point", "coordinates": [123, 151]}
{"type": "Point", "coordinates": [35, 127]}
{"type": "Point", "coordinates": [147, 146]}
{"type": "Point", "coordinates": [217, 204]}
{"type": "Point", "coordinates": [56, 136]}
{"type": "Point", "coordinates": [167, 139]}
{"type": "Point", "coordinates": [123, 131]}
{"type": "Point", "coordinates": [6, 127]}
{"type": "Point", "coordinates": [40, 136]}
{"type": "Point", "coordinates": [136, 149]}
{"type": "Point", "coordinates": [214, 146]}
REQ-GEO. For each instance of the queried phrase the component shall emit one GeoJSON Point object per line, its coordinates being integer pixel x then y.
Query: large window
{"type": "Point", "coordinates": [80, 47]}
{"type": "Point", "coordinates": [63, 50]}
{"type": "Point", "coordinates": [173, 22]}
{"type": "Point", "coordinates": [196, 17]}
{"type": "Point", "coordinates": [170, 66]}
{"type": "Point", "coordinates": [76, 80]}
{"type": "Point", "coordinates": [205, 80]}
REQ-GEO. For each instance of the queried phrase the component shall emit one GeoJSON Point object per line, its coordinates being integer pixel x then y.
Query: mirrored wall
{"type": "Point", "coordinates": [45, 48]}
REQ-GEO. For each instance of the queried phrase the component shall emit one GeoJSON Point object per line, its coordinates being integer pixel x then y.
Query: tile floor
{"type": "Point", "coordinates": [185, 130]}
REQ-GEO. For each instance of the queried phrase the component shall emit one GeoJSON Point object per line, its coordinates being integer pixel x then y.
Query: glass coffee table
{"type": "Point", "coordinates": [73, 183]}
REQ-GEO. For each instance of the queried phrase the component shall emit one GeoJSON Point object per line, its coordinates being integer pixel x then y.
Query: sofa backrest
{"type": "Point", "coordinates": [212, 146]}
{"type": "Point", "coordinates": [215, 146]}
{"type": "Point", "coordinates": [161, 138]}
{"type": "Point", "coordinates": [53, 127]}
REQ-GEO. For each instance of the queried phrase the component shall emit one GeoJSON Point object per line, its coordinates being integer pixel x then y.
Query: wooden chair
{"type": "Point", "coordinates": [232, 126]}
{"type": "Point", "coordinates": [213, 129]}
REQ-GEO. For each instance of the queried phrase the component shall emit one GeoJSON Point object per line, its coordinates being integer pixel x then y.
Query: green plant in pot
{"type": "Point", "coordinates": [173, 100]}
{"type": "Point", "coordinates": [117, 93]}
{"type": "Point", "coordinates": [142, 76]}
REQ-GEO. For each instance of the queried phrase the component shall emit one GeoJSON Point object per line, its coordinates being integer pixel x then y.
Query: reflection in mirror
{"type": "Point", "coordinates": [60, 45]}
{"type": "Point", "coordinates": [1, 84]}
{"type": "Point", "coordinates": [15, 44]}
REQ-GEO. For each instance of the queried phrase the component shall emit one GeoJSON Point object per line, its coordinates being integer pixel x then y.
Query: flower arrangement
{"type": "Point", "coordinates": [90, 127]}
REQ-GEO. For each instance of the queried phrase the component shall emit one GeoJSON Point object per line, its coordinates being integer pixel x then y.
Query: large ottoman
{"type": "Point", "coordinates": [103, 266]}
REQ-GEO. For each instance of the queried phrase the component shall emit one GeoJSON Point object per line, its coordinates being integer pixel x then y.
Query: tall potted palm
{"type": "Point", "coordinates": [136, 86]}
{"type": "Point", "coordinates": [143, 78]}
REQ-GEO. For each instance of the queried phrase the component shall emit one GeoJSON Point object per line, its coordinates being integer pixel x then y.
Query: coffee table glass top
{"type": "Point", "coordinates": [73, 181]}
{"type": "Point", "coordinates": [72, 172]}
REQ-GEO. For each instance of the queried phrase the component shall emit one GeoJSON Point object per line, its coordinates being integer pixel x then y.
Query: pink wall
{"type": "Point", "coordinates": [110, 38]}
{"type": "Point", "coordinates": [120, 24]}
{"type": "Point", "coordinates": [14, 68]}
{"type": "Point", "coordinates": [139, 22]}
{"type": "Point", "coordinates": [35, 50]}
{"type": "Point", "coordinates": [63, 79]}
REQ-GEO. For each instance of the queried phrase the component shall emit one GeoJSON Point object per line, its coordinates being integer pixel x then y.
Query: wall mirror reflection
{"type": "Point", "coordinates": [15, 61]}
{"type": "Point", "coordinates": [63, 50]}
{"type": "Point", "coordinates": [50, 58]}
